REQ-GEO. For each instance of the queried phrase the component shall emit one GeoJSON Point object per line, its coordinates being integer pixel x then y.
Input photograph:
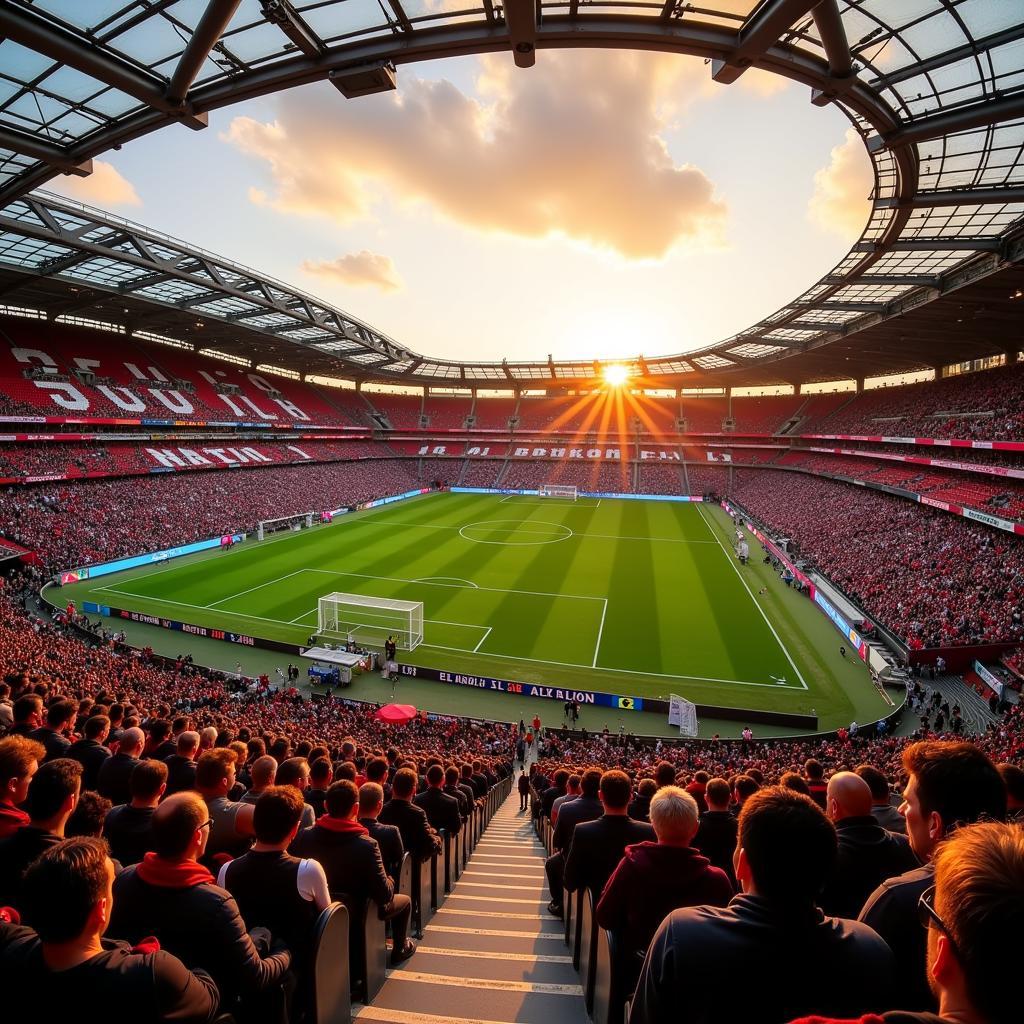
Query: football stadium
{"type": "Point", "coordinates": [509, 514]}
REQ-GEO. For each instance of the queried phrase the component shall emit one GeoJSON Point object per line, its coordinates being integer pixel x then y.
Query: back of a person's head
{"type": "Point", "coordinates": [797, 783]}
{"type": "Point", "coordinates": [16, 756]}
{"type": "Point", "coordinates": [376, 769]}
{"type": "Point", "coordinates": [278, 810]}
{"type": "Point", "coordinates": [159, 730]}
{"type": "Point", "coordinates": [61, 888]}
{"type": "Point", "coordinates": [340, 798]}
{"type": "Point", "coordinates": [292, 772]}
{"type": "Point", "coordinates": [60, 712]}
{"type": "Point", "coordinates": [213, 766]}
{"type": "Point", "coordinates": [175, 822]}
{"type": "Point", "coordinates": [789, 844]}
{"type": "Point", "coordinates": [51, 786]}
{"type": "Point", "coordinates": [979, 895]}
{"type": "Point", "coordinates": [665, 774]}
{"type": "Point", "coordinates": [451, 775]}
{"type": "Point", "coordinates": [701, 778]}
{"type": "Point", "coordinates": [435, 775]}
{"type": "Point", "coordinates": [88, 816]}
{"type": "Point", "coordinates": [1013, 779]}
{"type": "Point", "coordinates": [745, 786]}
{"type": "Point", "coordinates": [95, 727]}
{"type": "Point", "coordinates": [132, 740]}
{"type": "Point", "coordinates": [371, 796]}
{"type": "Point", "coordinates": [718, 793]}
{"type": "Point", "coordinates": [616, 789]}
{"type": "Point", "coordinates": [345, 770]}
{"type": "Point", "coordinates": [321, 771]}
{"type": "Point", "coordinates": [26, 706]}
{"type": "Point", "coordinates": [877, 782]}
{"type": "Point", "coordinates": [814, 770]}
{"type": "Point", "coordinates": [674, 814]}
{"type": "Point", "coordinates": [957, 781]}
{"type": "Point", "coordinates": [404, 784]}
{"type": "Point", "coordinates": [590, 782]}
{"type": "Point", "coordinates": [147, 778]}
{"type": "Point", "coordinates": [560, 780]}
{"type": "Point", "coordinates": [647, 788]}
{"type": "Point", "coordinates": [573, 783]}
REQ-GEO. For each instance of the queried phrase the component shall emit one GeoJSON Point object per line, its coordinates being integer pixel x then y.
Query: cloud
{"type": "Point", "coordinates": [571, 148]}
{"type": "Point", "coordinates": [105, 187]}
{"type": "Point", "coordinates": [841, 201]}
{"type": "Point", "coordinates": [363, 269]}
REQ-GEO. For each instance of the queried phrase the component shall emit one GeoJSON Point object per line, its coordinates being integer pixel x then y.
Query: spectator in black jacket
{"type": "Point", "coordinates": [699, 954]}
{"type": "Point", "coordinates": [441, 809]}
{"type": "Point", "coordinates": [640, 806]}
{"type": "Point", "coordinates": [586, 807]}
{"type": "Point", "coordinates": [557, 788]}
{"type": "Point", "coordinates": [181, 765]}
{"type": "Point", "coordinates": [523, 787]}
{"type": "Point", "coordinates": [463, 795]}
{"type": "Point", "coordinates": [867, 853]}
{"type": "Point", "coordinates": [389, 839]}
{"type": "Point", "coordinates": [53, 734]}
{"type": "Point", "coordinates": [418, 837]}
{"type": "Point", "coordinates": [949, 785]}
{"type": "Point", "coordinates": [321, 773]}
{"type": "Point", "coordinates": [718, 828]}
{"type": "Point", "coordinates": [353, 864]}
{"type": "Point", "coordinates": [63, 967]}
{"type": "Point", "coordinates": [128, 827]}
{"type": "Point", "coordinates": [91, 751]}
{"type": "Point", "coordinates": [19, 762]}
{"type": "Point", "coordinates": [114, 779]}
{"type": "Point", "coordinates": [52, 797]}
{"type": "Point", "coordinates": [881, 800]}
{"type": "Point", "coordinates": [172, 896]}
{"type": "Point", "coordinates": [598, 846]}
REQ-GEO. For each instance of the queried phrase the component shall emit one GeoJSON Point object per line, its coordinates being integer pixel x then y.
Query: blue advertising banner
{"type": "Point", "coordinates": [92, 571]}
{"type": "Point", "coordinates": [582, 494]}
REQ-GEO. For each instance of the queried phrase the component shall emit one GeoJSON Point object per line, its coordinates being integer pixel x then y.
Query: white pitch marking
{"type": "Point", "coordinates": [600, 632]}
{"type": "Point", "coordinates": [259, 586]}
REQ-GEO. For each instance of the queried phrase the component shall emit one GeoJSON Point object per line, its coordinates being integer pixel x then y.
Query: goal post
{"type": "Point", "coordinates": [683, 713]}
{"type": "Point", "coordinates": [299, 521]}
{"type": "Point", "coordinates": [370, 620]}
{"type": "Point", "coordinates": [558, 491]}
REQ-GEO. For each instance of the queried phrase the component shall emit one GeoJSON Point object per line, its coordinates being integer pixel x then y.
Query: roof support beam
{"type": "Point", "coordinates": [760, 32]}
{"type": "Point", "coordinates": [403, 18]}
{"type": "Point", "coordinates": [883, 280]}
{"type": "Point", "coordinates": [837, 48]}
{"type": "Point", "coordinates": [25, 26]}
{"type": "Point", "coordinates": [932, 245]}
{"type": "Point", "coordinates": [212, 24]}
{"type": "Point", "coordinates": [844, 307]}
{"type": "Point", "coordinates": [962, 119]}
{"type": "Point", "coordinates": [55, 156]}
{"type": "Point", "coordinates": [957, 197]}
{"type": "Point", "coordinates": [294, 26]}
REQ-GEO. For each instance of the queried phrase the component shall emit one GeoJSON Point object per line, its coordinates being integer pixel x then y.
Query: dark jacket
{"type": "Point", "coordinates": [441, 809]}
{"type": "Point", "coordinates": [128, 832]}
{"type": "Point", "coordinates": [701, 954]}
{"type": "Point", "coordinates": [868, 855]}
{"type": "Point", "coordinates": [181, 773]}
{"type": "Point", "coordinates": [716, 839]}
{"type": "Point", "coordinates": [891, 910]}
{"type": "Point", "coordinates": [17, 851]}
{"type": "Point", "coordinates": [389, 839]}
{"type": "Point", "coordinates": [890, 818]}
{"type": "Point", "coordinates": [465, 801]}
{"type": "Point", "coordinates": [640, 808]}
{"type": "Point", "coordinates": [91, 756]}
{"type": "Point", "coordinates": [351, 861]}
{"type": "Point", "coordinates": [570, 814]}
{"type": "Point", "coordinates": [598, 846]}
{"type": "Point", "coordinates": [315, 798]}
{"type": "Point", "coordinates": [56, 743]}
{"type": "Point", "coordinates": [122, 986]}
{"type": "Point", "coordinates": [652, 880]}
{"type": "Point", "coordinates": [523, 785]}
{"type": "Point", "coordinates": [199, 924]}
{"type": "Point", "coordinates": [114, 777]}
{"type": "Point", "coordinates": [418, 837]}
{"type": "Point", "coordinates": [548, 797]}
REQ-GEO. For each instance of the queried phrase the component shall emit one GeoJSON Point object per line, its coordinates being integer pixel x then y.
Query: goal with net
{"type": "Point", "coordinates": [370, 620]}
{"type": "Point", "coordinates": [558, 491]}
{"type": "Point", "coordinates": [299, 521]}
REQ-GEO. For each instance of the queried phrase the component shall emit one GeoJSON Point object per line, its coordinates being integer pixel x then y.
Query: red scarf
{"type": "Point", "coordinates": [11, 819]}
{"type": "Point", "coordinates": [341, 825]}
{"type": "Point", "coordinates": [172, 874]}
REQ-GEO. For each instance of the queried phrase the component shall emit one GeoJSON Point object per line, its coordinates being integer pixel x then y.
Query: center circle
{"type": "Point", "coordinates": [515, 532]}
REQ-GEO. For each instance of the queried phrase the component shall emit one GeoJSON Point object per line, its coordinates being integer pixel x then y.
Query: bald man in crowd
{"type": "Point", "coordinates": [868, 854]}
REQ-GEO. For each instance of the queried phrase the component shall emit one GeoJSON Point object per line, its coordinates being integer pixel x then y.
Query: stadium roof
{"type": "Point", "coordinates": [934, 87]}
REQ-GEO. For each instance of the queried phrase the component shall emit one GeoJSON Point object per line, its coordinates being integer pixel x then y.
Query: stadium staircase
{"type": "Point", "coordinates": [491, 952]}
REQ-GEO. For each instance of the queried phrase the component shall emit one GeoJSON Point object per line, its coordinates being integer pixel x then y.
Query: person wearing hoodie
{"type": "Point", "coordinates": [654, 878]}
{"type": "Point", "coordinates": [352, 861]}
{"type": "Point", "coordinates": [867, 854]}
{"type": "Point", "coordinates": [171, 895]}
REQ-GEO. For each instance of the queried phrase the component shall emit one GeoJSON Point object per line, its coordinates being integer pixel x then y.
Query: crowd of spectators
{"type": "Point", "coordinates": [934, 579]}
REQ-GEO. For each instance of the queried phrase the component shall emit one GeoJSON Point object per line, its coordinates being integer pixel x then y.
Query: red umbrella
{"type": "Point", "coordinates": [396, 714]}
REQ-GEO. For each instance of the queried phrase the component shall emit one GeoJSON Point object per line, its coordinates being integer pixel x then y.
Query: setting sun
{"type": "Point", "coordinates": [615, 374]}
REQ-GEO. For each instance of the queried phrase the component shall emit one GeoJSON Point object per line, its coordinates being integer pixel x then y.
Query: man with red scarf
{"type": "Point", "coordinates": [353, 863]}
{"type": "Point", "coordinates": [169, 894]}
{"type": "Point", "coordinates": [19, 761]}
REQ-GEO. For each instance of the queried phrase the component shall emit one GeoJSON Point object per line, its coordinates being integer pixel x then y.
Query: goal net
{"type": "Point", "coordinates": [370, 620]}
{"type": "Point", "coordinates": [683, 713]}
{"type": "Point", "coordinates": [558, 491]}
{"type": "Point", "coordinates": [299, 521]}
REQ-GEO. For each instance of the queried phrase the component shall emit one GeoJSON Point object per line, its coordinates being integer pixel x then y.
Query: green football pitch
{"type": "Point", "coordinates": [637, 598]}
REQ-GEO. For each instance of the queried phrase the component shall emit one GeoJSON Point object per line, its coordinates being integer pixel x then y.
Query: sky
{"type": "Point", "coordinates": [601, 204]}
